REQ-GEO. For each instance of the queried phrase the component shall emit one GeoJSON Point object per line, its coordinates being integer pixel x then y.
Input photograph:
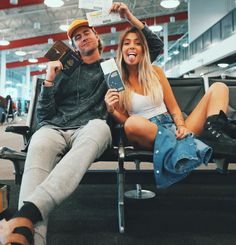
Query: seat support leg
{"type": "Point", "coordinates": [120, 201]}
{"type": "Point", "coordinates": [139, 193]}
{"type": "Point", "coordinates": [221, 165]}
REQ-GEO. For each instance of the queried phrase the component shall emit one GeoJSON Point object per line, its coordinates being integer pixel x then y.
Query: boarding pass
{"type": "Point", "coordinates": [97, 18]}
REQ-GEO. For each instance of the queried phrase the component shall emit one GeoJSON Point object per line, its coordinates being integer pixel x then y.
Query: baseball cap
{"type": "Point", "coordinates": [74, 25]}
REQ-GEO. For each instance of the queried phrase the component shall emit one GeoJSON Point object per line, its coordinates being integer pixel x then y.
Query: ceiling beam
{"type": "Point", "coordinates": [36, 73]}
{"type": "Point", "coordinates": [5, 4]}
{"type": "Point", "coordinates": [101, 30]}
{"type": "Point", "coordinates": [16, 64]}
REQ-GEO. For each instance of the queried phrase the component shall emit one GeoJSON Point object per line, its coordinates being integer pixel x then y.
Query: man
{"type": "Point", "coordinates": [73, 131]}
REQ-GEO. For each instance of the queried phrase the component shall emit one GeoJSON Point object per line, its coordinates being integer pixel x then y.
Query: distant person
{"type": "Point", "coordinates": [10, 108]}
{"type": "Point", "coordinates": [26, 106]}
{"type": "Point", "coordinates": [19, 109]}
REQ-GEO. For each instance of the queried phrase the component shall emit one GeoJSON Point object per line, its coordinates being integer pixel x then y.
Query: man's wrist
{"type": "Point", "coordinates": [48, 83]}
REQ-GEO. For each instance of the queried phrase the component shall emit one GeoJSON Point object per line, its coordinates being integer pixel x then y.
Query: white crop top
{"type": "Point", "coordinates": [143, 106]}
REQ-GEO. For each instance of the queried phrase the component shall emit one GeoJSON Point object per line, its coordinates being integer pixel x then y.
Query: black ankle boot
{"type": "Point", "coordinates": [228, 126]}
{"type": "Point", "coordinates": [217, 134]}
{"type": "Point", "coordinates": [231, 127]}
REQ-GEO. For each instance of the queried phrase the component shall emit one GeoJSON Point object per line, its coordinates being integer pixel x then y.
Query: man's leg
{"type": "Point", "coordinates": [46, 148]}
{"type": "Point", "coordinates": [87, 144]}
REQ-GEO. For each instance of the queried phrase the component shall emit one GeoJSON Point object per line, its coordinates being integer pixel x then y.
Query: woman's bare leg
{"type": "Point", "coordinates": [140, 131]}
{"type": "Point", "coordinates": [215, 99]}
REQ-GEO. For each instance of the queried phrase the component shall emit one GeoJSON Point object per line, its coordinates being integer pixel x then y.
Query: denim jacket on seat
{"type": "Point", "coordinates": [174, 159]}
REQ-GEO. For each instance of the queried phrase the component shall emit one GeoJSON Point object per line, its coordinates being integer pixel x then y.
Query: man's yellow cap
{"type": "Point", "coordinates": [74, 25]}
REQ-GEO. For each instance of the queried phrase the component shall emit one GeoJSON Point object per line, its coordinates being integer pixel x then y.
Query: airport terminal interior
{"type": "Point", "coordinates": [199, 39]}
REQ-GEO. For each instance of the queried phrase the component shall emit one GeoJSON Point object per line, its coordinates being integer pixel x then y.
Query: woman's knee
{"type": "Point", "coordinates": [132, 125]}
{"type": "Point", "coordinates": [219, 87]}
{"type": "Point", "coordinates": [139, 126]}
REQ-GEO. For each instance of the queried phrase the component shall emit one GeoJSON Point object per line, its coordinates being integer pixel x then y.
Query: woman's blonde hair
{"type": "Point", "coordinates": [147, 77]}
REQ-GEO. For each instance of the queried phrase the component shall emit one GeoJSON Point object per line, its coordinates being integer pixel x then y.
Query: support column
{"type": "Point", "coordinates": [27, 85]}
{"type": "Point", "coordinates": [165, 39]}
{"type": "Point", "coordinates": [3, 73]}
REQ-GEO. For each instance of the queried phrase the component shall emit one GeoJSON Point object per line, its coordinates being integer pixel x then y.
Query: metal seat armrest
{"type": "Point", "coordinates": [23, 130]}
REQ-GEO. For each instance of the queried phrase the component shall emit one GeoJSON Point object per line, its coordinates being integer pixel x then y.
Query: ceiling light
{"type": "Point", "coordinates": [54, 3]}
{"type": "Point", "coordinates": [156, 28]}
{"type": "Point", "coordinates": [33, 60]}
{"type": "Point", "coordinates": [42, 66]}
{"type": "Point", "coordinates": [175, 52]}
{"type": "Point", "coordinates": [223, 65]}
{"type": "Point", "coordinates": [64, 27]}
{"type": "Point", "coordinates": [37, 25]}
{"type": "Point", "coordinates": [20, 53]}
{"type": "Point", "coordinates": [185, 45]}
{"type": "Point", "coordinates": [4, 42]}
{"type": "Point", "coordinates": [14, 2]}
{"type": "Point", "coordinates": [170, 3]}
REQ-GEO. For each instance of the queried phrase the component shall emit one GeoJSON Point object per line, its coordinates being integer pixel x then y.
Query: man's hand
{"type": "Point", "coordinates": [54, 67]}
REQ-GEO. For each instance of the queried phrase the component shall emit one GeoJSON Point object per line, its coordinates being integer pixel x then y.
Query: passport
{"type": "Point", "coordinates": [69, 59]}
{"type": "Point", "coordinates": [112, 75]}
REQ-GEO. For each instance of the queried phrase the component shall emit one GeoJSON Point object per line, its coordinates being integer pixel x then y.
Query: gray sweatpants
{"type": "Point", "coordinates": [55, 164]}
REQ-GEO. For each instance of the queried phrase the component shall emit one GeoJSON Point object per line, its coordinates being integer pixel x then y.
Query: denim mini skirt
{"type": "Point", "coordinates": [175, 158]}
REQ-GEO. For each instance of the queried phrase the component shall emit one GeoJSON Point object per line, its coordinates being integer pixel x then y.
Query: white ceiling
{"type": "Point", "coordinates": [18, 23]}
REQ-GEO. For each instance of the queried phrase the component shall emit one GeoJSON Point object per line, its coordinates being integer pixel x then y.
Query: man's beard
{"type": "Point", "coordinates": [88, 52]}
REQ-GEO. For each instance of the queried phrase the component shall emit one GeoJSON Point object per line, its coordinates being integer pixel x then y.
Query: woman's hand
{"type": "Point", "coordinates": [181, 132]}
{"type": "Point", "coordinates": [112, 100]}
{"type": "Point", "coordinates": [54, 67]}
{"type": "Point", "coordinates": [122, 9]}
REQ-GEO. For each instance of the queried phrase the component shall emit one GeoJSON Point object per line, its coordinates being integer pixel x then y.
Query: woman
{"type": "Point", "coordinates": [152, 118]}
